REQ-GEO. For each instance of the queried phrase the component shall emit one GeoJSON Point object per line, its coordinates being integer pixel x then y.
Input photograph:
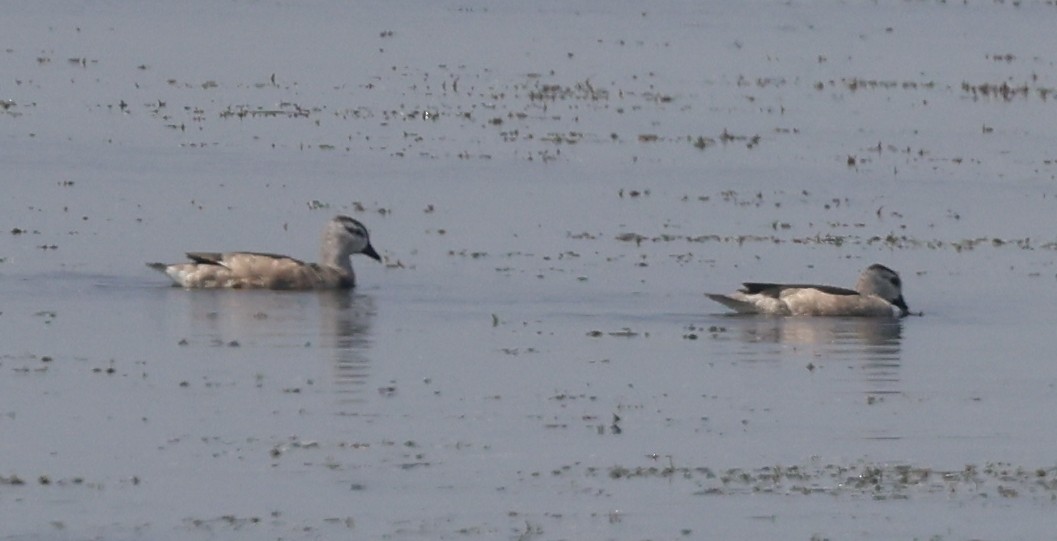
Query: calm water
{"type": "Point", "coordinates": [535, 359]}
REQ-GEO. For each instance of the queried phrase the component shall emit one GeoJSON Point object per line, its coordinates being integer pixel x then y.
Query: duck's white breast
{"type": "Point", "coordinates": [812, 302]}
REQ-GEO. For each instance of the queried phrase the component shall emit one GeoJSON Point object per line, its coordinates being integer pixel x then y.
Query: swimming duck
{"type": "Point", "coordinates": [342, 237]}
{"type": "Point", "coordinates": [878, 293]}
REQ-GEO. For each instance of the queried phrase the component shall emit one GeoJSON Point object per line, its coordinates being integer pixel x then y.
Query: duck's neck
{"type": "Point", "coordinates": [332, 254]}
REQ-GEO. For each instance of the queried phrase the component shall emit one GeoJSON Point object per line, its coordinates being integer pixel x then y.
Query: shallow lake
{"type": "Point", "coordinates": [553, 188]}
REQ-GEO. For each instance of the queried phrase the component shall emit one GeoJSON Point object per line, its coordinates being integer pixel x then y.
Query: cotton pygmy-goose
{"type": "Point", "coordinates": [878, 293]}
{"type": "Point", "coordinates": [342, 237]}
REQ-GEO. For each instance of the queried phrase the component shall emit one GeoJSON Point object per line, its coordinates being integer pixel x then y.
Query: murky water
{"type": "Point", "coordinates": [553, 188]}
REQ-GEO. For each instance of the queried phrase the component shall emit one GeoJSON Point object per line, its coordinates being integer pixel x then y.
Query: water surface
{"type": "Point", "coordinates": [553, 188]}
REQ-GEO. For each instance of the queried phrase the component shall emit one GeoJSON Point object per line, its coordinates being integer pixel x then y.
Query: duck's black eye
{"type": "Point", "coordinates": [895, 281]}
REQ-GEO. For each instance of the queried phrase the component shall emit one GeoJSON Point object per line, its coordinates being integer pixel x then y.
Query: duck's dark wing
{"type": "Point", "coordinates": [205, 258]}
{"type": "Point", "coordinates": [218, 258]}
{"type": "Point", "coordinates": [774, 290]}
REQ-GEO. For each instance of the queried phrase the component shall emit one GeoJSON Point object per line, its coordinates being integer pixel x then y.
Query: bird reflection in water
{"type": "Point", "coordinates": [292, 327]}
{"type": "Point", "coordinates": [874, 344]}
{"type": "Point", "coordinates": [345, 327]}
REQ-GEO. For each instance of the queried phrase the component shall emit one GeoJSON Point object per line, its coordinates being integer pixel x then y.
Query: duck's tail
{"type": "Point", "coordinates": [741, 307]}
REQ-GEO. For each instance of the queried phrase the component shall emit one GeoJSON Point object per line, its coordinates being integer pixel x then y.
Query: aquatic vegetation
{"type": "Point", "coordinates": [878, 481]}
